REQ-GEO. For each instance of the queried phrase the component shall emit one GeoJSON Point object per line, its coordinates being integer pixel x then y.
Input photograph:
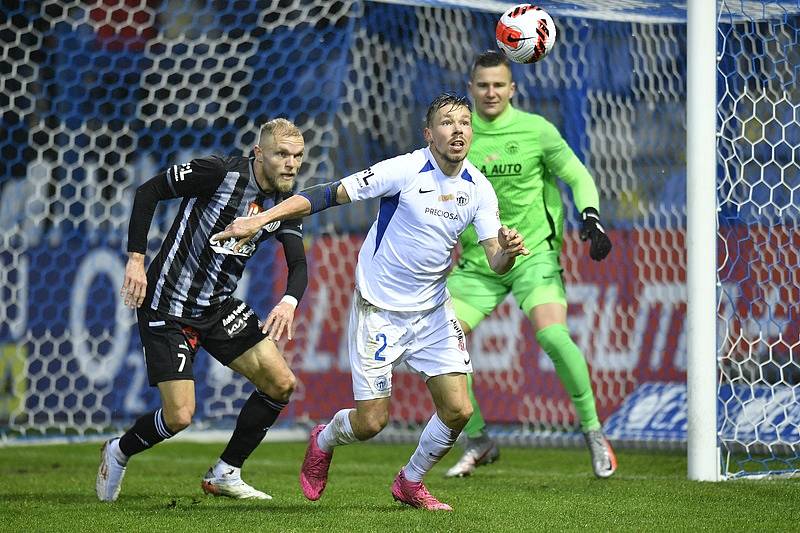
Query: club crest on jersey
{"type": "Point", "coordinates": [512, 147]}
{"type": "Point", "coordinates": [462, 198]}
{"type": "Point", "coordinates": [254, 209]}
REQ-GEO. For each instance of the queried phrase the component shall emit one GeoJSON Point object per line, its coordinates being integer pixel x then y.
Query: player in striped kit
{"type": "Point", "coordinates": [401, 310]}
{"type": "Point", "coordinates": [186, 301]}
{"type": "Point", "coordinates": [522, 154]}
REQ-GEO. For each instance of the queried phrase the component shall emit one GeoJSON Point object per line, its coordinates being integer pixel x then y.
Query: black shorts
{"type": "Point", "coordinates": [170, 343]}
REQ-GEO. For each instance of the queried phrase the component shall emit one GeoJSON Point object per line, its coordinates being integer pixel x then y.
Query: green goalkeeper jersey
{"type": "Point", "coordinates": [522, 154]}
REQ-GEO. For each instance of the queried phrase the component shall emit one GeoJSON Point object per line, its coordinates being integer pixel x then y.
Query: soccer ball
{"type": "Point", "coordinates": [525, 33]}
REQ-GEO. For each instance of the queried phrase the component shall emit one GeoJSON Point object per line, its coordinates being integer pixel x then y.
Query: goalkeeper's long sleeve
{"type": "Point", "coordinates": [562, 162]}
{"type": "Point", "coordinates": [584, 190]}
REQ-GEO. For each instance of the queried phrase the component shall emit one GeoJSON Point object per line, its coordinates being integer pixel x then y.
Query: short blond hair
{"type": "Point", "coordinates": [278, 127]}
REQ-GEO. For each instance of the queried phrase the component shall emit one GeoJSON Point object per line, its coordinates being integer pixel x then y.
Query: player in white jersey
{"type": "Point", "coordinates": [401, 309]}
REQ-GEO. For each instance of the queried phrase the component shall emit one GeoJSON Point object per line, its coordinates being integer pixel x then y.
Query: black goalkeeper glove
{"type": "Point", "coordinates": [591, 229]}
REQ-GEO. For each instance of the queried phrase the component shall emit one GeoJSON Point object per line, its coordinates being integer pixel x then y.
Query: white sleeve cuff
{"type": "Point", "coordinates": [290, 300]}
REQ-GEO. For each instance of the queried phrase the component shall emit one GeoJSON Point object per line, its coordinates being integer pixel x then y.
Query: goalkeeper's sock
{"type": "Point", "coordinates": [476, 426]}
{"type": "Point", "coordinates": [256, 417]}
{"type": "Point", "coordinates": [572, 371]}
{"type": "Point", "coordinates": [146, 432]}
{"type": "Point", "coordinates": [435, 441]}
{"type": "Point", "coordinates": [338, 432]}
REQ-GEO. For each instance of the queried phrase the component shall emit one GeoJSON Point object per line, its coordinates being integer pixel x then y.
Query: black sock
{"type": "Point", "coordinates": [257, 415]}
{"type": "Point", "coordinates": [145, 433]}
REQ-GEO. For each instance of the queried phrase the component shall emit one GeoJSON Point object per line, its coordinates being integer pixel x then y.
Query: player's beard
{"type": "Point", "coordinates": [278, 184]}
{"type": "Point", "coordinates": [453, 158]}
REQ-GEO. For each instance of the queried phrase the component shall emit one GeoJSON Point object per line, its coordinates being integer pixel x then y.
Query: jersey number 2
{"type": "Point", "coordinates": [378, 356]}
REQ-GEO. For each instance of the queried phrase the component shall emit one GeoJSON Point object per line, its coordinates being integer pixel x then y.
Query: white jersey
{"type": "Point", "coordinates": [404, 260]}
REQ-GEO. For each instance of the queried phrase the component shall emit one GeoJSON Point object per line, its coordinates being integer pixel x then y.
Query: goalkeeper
{"type": "Point", "coordinates": [521, 154]}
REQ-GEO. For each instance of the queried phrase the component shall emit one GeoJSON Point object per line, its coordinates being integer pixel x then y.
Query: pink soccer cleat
{"type": "Point", "coordinates": [314, 472]}
{"type": "Point", "coordinates": [416, 495]}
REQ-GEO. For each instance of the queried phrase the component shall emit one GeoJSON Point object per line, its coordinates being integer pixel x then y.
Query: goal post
{"type": "Point", "coordinates": [701, 240]}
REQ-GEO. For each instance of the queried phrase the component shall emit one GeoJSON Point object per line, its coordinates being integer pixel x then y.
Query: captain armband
{"type": "Point", "coordinates": [321, 196]}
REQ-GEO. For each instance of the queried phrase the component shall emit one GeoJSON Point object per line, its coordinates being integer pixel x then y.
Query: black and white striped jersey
{"type": "Point", "coordinates": [190, 274]}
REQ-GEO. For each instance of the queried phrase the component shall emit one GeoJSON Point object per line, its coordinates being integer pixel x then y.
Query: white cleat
{"type": "Point", "coordinates": [231, 486]}
{"type": "Point", "coordinates": [109, 475]}
{"type": "Point", "coordinates": [477, 452]}
{"type": "Point", "coordinates": [604, 462]}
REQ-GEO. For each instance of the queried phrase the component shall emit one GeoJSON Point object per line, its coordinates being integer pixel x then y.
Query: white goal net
{"type": "Point", "coordinates": [98, 96]}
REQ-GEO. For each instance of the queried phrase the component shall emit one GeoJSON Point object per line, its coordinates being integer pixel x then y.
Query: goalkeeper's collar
{"type": "Point", "coordinates": [503, 119]}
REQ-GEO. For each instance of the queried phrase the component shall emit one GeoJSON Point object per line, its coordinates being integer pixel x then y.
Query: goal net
{"type": "Point", "coordinates": [98, 96]}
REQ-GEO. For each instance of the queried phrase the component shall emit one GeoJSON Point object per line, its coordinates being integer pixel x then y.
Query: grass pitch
{"type": "Point", "coordinates": [51, 488]}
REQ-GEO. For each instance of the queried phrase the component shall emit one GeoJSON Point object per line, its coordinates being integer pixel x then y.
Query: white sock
{"type": "Point", "coordinates": [337, 433]}
{"type": "Point", "coordinates": [224, 469]}
{"type": "Point", "coordinates": [117, 452]}
{"type": "Point", "coordinates": [434, 443]}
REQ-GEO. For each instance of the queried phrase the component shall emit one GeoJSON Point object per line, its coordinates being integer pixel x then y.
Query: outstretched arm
{"type": "Point", "coordinates": [501, 252]}
{"type": "Point", "coordinates": [306, 202]}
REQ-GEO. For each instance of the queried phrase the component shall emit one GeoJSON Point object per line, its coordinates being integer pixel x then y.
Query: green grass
{"type": "Point", "coordinates": [51, 488]}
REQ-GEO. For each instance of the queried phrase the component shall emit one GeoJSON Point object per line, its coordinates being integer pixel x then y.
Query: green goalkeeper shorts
{"type": "Point", "coordinates": [476, 291]}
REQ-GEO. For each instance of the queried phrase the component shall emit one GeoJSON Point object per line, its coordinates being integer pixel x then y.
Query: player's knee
{"type": "Point", "coordinates": [456, 416]}
{"type": "Point", "coordinates": [370, 425]}
{"type": "Point", "coordinates": [178, 419]}
{"type": "Point", "coordinates": [278, 387]}
{"type": "Point", "coordinates": [284, 387]}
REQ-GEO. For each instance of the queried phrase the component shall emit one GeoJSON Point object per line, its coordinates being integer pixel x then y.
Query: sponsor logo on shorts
{"type": "Point", "coordinates": [237, 319]}
{"type": "Point", "coordinates": [381, 383]}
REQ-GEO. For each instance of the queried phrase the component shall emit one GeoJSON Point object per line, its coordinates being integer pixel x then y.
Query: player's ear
{"type": "Point", "coordinates": [426, 132]}
{"type": "Point", "coordinates": [513, 89]}
{"type": "Point", "coordinates": [258, 152]}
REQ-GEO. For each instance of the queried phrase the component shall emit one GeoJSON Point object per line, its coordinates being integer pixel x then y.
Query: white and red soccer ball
{"type": "Point", "coordinates": [525, 33]}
